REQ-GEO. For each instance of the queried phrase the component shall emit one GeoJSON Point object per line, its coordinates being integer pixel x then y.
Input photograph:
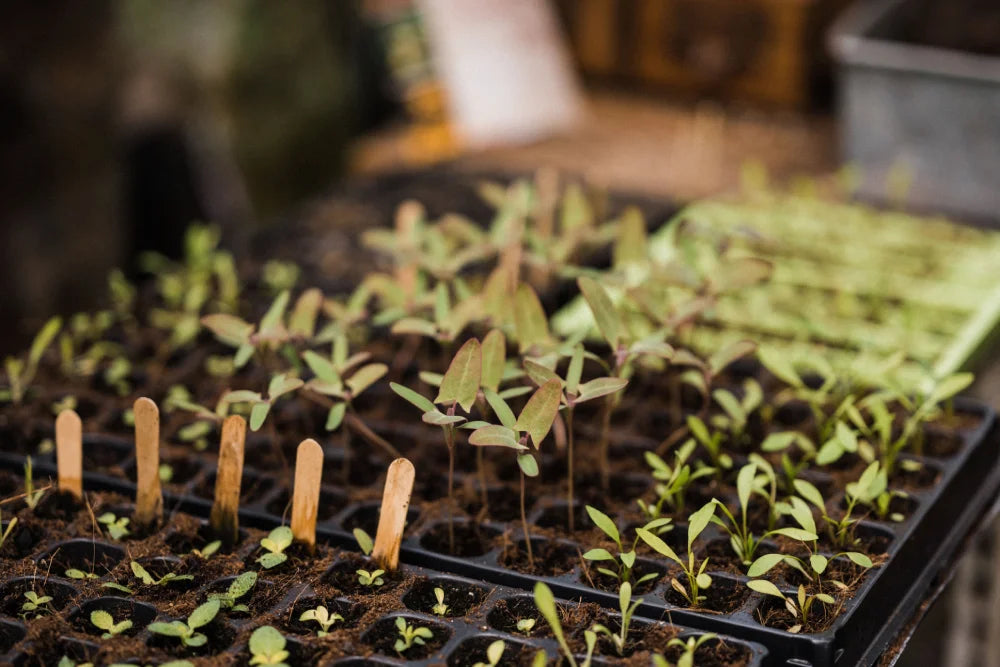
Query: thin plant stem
{"type": "Point", "coordinates": [480, 460]}
{"type": "Point", "coordinates": [345, 436]}
{"type": "Point", "coordinates": [569, 467]}
{"type": "Point", "coordinates": [449, 438]}
{"type": "Point", "coordinates": [605, 436]}
{"type": "Point", "coordinates": [524, 526]}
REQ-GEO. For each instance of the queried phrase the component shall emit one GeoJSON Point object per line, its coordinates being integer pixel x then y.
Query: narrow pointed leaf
{"type": "Point", "coordinates": [415, 399]}
{"type": "Point", "coordinates": [461, 380]}
{"type": "Point", "coordinates": [540, 411]}
{"type": "Point", "coordinates": [365, 377]}
{"type": "Point", "coordinates": [494, 358]}
{"type": "Point", "coordinates": [604, 311]}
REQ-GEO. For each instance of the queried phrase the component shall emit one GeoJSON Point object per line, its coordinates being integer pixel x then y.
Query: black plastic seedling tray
{"type": "Point", "coordinates": [918, 551]}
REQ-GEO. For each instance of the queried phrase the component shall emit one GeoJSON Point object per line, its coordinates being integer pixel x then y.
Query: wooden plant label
{"type": "Point", "coordinates": [148, 498]}
{"type": "Point", "coordinates": [69, 453]}
{"type": "Point", "coordinates": [224, 518]}
{"type": "Point", "coordinates": [305, 494]}
{"type": "Point", "coordinates": [392, 518]}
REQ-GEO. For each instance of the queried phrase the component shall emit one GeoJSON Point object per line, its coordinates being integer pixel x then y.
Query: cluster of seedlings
{"type": "Point", "coordinates": [565, 422]}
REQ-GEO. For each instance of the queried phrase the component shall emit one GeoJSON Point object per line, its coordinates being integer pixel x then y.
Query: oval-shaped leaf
{"type": "Point", "coordinates": [421, 403]}
{"type": "Point", "coordinates": [321, 367]}
{"type": "Point", "coordinates": [604, 522]}
{"type": "Point", "coordinates": [461, 381]}
{"type": "Point", "coordinates": [229, 329]}
{"type": "Point", "coordinates": [600, 387]}
{"type": "Point", "coordinates": [603, 309]}
{"type": "Point", "coordinates": [764, 564]}
{"type": "Point", "coordinates": [365, 377]}
{"type": "Point", "coordinates": [495, 436]}
{"type": "Point", "coordinates": [530, 322]}
{"type": "Point", "coordinates": [698, 521]}
{"type": "Point", "coordinates": [335, 416]}
{"type": "Point", "coordinates": [540, 411]}
{"type": "Point", "coordinates": [500, 408]}
{"type": "Point", "coordinates": [528, 465]}
{"type": "Point", "coordinates": [766, 587]}
{"type": "Point", "coordinates": [438, 418]}
{"type": "Point", "coordinates": [203, 614]}
{"type": "Point", "coordinates": [494, 359]}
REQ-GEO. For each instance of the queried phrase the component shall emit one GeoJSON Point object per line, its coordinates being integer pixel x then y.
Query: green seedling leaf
{"type": "Point", "coordinates": [764, 564]}
{"type": "Point", "coordinates": [438, 418]}
{"type": "Point", "coordinates": [462, 379]}
{"type": "Point", "coordinates": [538, 414]}
{"type": "Point", "coordinates": [203, 614]}
{"type": "Point", "coordinates": [600, 387]}
{"type": "Point", "coordinates": [229, 329]}
{"type": "Point", "coordinates": [859, 559]}
{"type": "Point", "coordinates": [528, 465]}
{"type": "Point", "coordinates": [267, 646]}
{"type": "Point", "coordinates": [657, 544]}
{"type": "Point", "coordinates": [258, 413]}
{"type": "Point", "coordinates": [42, 340]}
{"type": "Point", "coordinates": [495, 436]}
{"type": "Point", "coordinates": [494, 358]}
{"type": "Point", "coordinates": [530, 322]}
{"type": "Point", "coordinates": [766, 587]}
{"type": "Point", "coordinates": [365, 542]}
{"type": "Point", "coordinates": [779, 366]}
{"type": "Point", "coordinates": [322, 368]}
{"type": "Point", "coordinates": [415, 399]}
{"type": "Point", "coordinates": [603, 309]}
{"type": "Point", "coordinates": [604, 522]}
{"type": "Point", "coordinates": [365, 377]}
{"type": "Point", "coordinates": [730, 353]}
{"type": "Point", "coordinates": [698, 521]}
{"type": "Point", "coordinates": [500, 408]}
{"type": "Point", "coordinates": [336, 416]}
{"type": "Point", "coordinates": [302, 321]}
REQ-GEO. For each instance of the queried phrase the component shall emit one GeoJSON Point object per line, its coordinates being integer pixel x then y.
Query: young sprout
{"type": "Point", "coordinates": [712, 442]}
{"type": "Point", "coordinates": [275, 544]}
{"type": "Point", "coordinates": [526, 625]}
{"type": "Point", "coordinates": [866, 490]}
{"type": "Point", "coordinates": [688, 649]}
{"type": "Point", "coordinates": [74, 573]}
{"type": "Point", "coordinates": [115, 586]}
{"type": "Point", "coordinates": [625, 348]}
{"type": "Point", "coordinates": [267, 646]}
{"type": "Point", "coordinates": [530, 428]}
{"type": "Point", "coordinates": [741, 539]}
{"type": "Point", "coordinates": [459, 388]}
{"type": "Point", "coordinates": [102, 620]}
{"type": "Point", "coordinates": [546, 604]}
{"type": "Point", "coordinates": [697, 579]}
{"type": "Point", "coordinates": [238, 587]}
{"type": "Point", "coordinates": [625, 560]}
{"type": "Point", "coordinates": [783, 441]}
{"type": "Point", "coordinates": [370, 579]}
{"type": "Point", "coordinates": [627, 606]}
{"type": "Point", "coordinates": [942, 390]}
{"type": "Point", "coordinates": [6, 532]}
{"type": "Point", "coordinates": [493, 654]}
{"type": "Point", "coordinates": [673, 482]}
{"type": "Point", "coordinates": [146, 578]}
{"type": "Point", "coordinates": [280, 385]}
{"type": "Point", "coordinates": [208, 550]}
{"type": "Point", "coordinates": [32, 496]}
{"type": "Point", "coordinates": [187, 632]}
{"type": "Point", "coordinates": [35, 603]}
{"type": "Point", "coordinates": [410, 635]}
{"type": "Point", "coordinates": [117, 527]}
{"type": "Point", "coordinates": [322, 616]}
{"type": "Point", "coordinates": [20, 374]}
{"type": "Point", "coordinates": [737, 410]}
{"type": "Point", "coordinates": [364, 540]}
{"type": "Point", "coordinates": [273, 332]}
{"type": "Point", "coordinates": [440, 608]}
{"type": "Point", "coordinates": [798, 606]}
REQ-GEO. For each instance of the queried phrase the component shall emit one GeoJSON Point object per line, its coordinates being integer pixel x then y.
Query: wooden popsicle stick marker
{"type": "Point", "coordinates": [224, 518]}
{"type": "Point", "coordinates": [392, 517]}
{"type": "Point", "coordinates": [69, 453]}
{"type": "Point", "coordinates": [148, 498]}
{"type": "Point", "coordinates": [305, 493]}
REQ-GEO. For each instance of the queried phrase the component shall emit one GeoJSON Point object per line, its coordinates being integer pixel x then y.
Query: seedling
{"type": "Point", "coordinates": [280, 385]}
{"type": "Point", "coordinates": [627, 606]}
{"type": "Point", "coordinates": [370, 579]}
{"type": "Point", "coordinates": [526, 625]}
{"type": "Point", "coordinates": [208, 550]}
{"type": "Point", "coordinates": [625, 559]}
{"type": "Point", "coordinates": [493, 654]}
{"type": "Point", "coordinates": [546, 604]}
{"type": "Point", "coordinates": [21, 373]}
{"type": "Point", "coordinates": [102, 620]}
{"type": "Point", "coordinates": [8, 530]}
{"type": "Point", "coordinates": [238, 587]}
{"type": "Point", "coordinates": [868, 489]}
{"type": "Point", "coordinates": [115, 586]}
{"type": "Point", "coordinates": [799, 606]}
{"type": "Point", "coordinates": [410, 635]}
{"type": "Point", "coordinates": [697, 578]}
{"type": "Point", "coordinates": [165, 472]}
{"type": "Point", "coordinates": [267, 646]}
{"type": "Point", "coordinates": [459, 388]}
{"type": "Point", "coordinates": [688, 649]}
{"type": "Point", "coordinates": [187, 632]}
{"type": "Point", "coordinates": [440, 608]}
{"type": "Point", "coordinates": [39, 604]}
{"type": "Point", "coordinates": [32, 496]}
{"type": "Point", "coordinates": [674, 481]}
{"type": "Point", "coordinates": [146, 578]}
{"type": "Point", "coordinates": [322, 616]}
{"type": "Point", "coordinates": [741, 539]}
{"type": "Point", "coordinates": [530, 427]}
{"type": "Point", "coordinates": [117, 527]}
{"type": "Point", "coordinates": [275, 544]}
{"type": "Point", "coordinates": [737, 410]}
{"type": "Point", "coordinates": [74, 573]}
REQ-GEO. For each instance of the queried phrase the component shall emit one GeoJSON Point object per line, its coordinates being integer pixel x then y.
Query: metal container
{"type": "Point", "coordinates": [931, 114]}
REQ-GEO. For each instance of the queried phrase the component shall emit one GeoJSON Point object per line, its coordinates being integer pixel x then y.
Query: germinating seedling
{"type": "Point", "coordinates": [440, 608]}
{"type": "Point", "coordinates": [275, 544]}
{"type": "Point", "coordinates": [711, 442]}
{"type": "Point", "coordinates": [697, 578]}
{"type": "Point", "coordinates": [868, 489]}
{"type": "Point", "coordinates": [146, 578]}
{"type": "Point", "coordinates": [35, 603]}
{"type": "Point", "coordinates": [267, 646]}
{"type": "Point", "coordinates": [364, 540]}
{"type": "Point", "coordinates": [689, 647]}
{"type": "Point", "coordinates": [322, 616]}
{"type": "Point", "coordinates": [102, 620]}
{"type": "Point", "coordinates": [737, 411]}
{"type": "Point", "coordinates": [410, 635]}
{"type": "Point", "coordinates": [798, 606]}
{"type": "Point", "coordinates": [673, 481]}
{"type": "Point", "coordinates": [208, 550]}
{"type": "Point", "coordinates": [627, 607]}
{"type": "Point", "coordinates": [238, 588]}
{"type": "Point", "coordinates": [187, 632]}
{"type": "Point", "coordinates": [546, 604]}
{"type": "Point", "coordinates": [526, 625]}
{"type": "Point", "coordinates": [74, 573]}
{"type": "Point", "coordinates": [32, 496]}
{"type": "Point", "coordinates": [625, 560]}
{"type": "Point", "coordinates": [21, 373]}
{"type": "Point", "coordinates": [458, 389]}
{"type": "Point", "coordinates": [370, 579]}
{"type": "Point", "coordinates": [530, 428]}
{"type": "Point", "coordinates": [117, 527]}
{"type": "Point", "coordinates": [6, 532]}
{"type": "Point", "coordinates": [493, 654]}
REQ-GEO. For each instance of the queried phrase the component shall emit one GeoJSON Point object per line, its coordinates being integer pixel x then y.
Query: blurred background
{"type": "Point", "coordinates": [121, 121]}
